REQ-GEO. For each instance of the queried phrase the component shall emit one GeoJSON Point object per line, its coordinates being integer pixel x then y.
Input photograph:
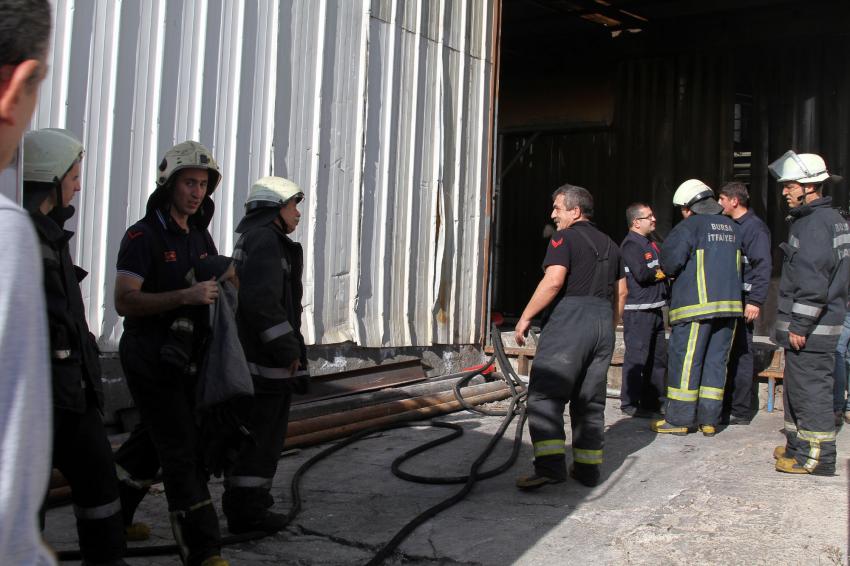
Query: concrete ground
{"type": "Point", "coordinates": [664, 500]}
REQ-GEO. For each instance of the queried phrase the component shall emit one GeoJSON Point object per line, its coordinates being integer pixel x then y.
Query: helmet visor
{"type": "Point", "coordinates": [791, 167]}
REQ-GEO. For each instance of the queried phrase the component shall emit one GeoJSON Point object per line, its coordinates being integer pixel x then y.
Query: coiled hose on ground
{"type": "Point", "coordinates": [516, 408]}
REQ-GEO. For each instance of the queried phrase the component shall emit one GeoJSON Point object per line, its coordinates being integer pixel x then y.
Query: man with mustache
{"type": "Point", "coordinates": [812, 305]}
{"type": "Point", "coordinates": [582, 293]}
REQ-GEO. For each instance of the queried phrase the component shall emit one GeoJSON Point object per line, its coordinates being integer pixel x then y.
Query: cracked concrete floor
{"type": "Point", "coordinates": [664, 500]}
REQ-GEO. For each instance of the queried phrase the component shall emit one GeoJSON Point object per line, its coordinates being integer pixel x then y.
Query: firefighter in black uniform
{"type": "Point", "coordinates": [161, 309]}
{"type": "Point", "coordinates": [739, 402]}
{"type": "Point", "coordinates": [812, 304]}
{"type": "Point", "coordinates": [582, 290]}
{"type": "Point", "coordinates": [269, 267]}
{"type": "Point", "coordinates": [81, 451]}
{"type": "Point", "coordinates": [703, 254]}
{"type": "Point", "coordinates": [645, 360]}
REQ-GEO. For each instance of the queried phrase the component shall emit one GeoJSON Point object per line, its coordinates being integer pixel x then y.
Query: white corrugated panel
{"type": "Point", "coordinates": [379, 109]}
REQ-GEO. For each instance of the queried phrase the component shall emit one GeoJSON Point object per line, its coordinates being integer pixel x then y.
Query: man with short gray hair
{"type": "Point", "coordinates": [582, 293]}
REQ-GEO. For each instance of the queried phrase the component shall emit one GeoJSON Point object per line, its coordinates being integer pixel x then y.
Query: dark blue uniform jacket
{"type": "Point", "coordinates": [703, 254]}
{"type": "Point", "coordinates": [815, 275]}
{"type": "Point", "coordinates": [645, 280]}
{"type": "Point", "coordinates": [755, 246]}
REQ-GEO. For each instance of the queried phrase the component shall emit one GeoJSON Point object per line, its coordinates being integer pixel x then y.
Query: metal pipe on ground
{"type": "Point", "coordinates": [369, 413]}
{"type": "Point", "coordinates": [357, 401]}
{"type": "Point", "coordinates": [416, 414]}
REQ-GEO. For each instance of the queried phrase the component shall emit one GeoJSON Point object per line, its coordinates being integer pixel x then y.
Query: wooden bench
{"type": "Point", "coordinates": [772, 372]}
{"type": "Point", "coordinates": [525, 354]}
{"type": "Point", "coordinates": [775, 370]}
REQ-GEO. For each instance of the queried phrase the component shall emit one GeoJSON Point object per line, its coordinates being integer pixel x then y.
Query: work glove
{"type": "Point", "coordinates": [224, 433]}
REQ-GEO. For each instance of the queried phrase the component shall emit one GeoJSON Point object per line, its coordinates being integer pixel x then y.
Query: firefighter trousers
{"type": "Point", "coordinates": [809, 422]}
{"type": "Point", "coordinates": [570, 366]}
{"type": "Point", "coordinates": [246, 493]}
{"type": "Point", "coordinates": [166, 402]}
{"type": "Point", "coordinates": [137, 464]}
{"type": "Point", "coordinates": [740, 397]}
{"type": "Point", "coordinates": [645, 360]}
{"type": "Point", "coordinates": [698, 357]}
{"type": "Point", "coordinates": [82, 453]}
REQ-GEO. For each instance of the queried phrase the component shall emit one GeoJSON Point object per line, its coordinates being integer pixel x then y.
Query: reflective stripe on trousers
{"type": "Point", "coordinates": [549, 447]}
{"type": "Point", "coordinates": [582, 456]}
{"type": "Point", "coordinates": [99, 512]}
{"type": "Point", "coordinates": [274, 373]}
{"type": "Point", "coordinates": [248, 481]}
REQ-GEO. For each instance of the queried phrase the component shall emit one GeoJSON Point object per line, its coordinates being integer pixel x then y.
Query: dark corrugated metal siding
{"type": "Point", "coordinates": [673, 120]}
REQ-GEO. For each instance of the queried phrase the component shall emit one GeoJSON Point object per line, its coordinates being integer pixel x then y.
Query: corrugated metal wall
{"type": "Point", "coordinates": [379, 109]}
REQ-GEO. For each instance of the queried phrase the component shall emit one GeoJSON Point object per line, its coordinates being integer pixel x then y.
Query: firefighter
{"type": "Point", "coordinates": [152, 291]}
{"type": "Point", "coordinates": [81, 451]}
{"type": "Point", "coordinates": [739, 402]}
{"type": "Point", "coordinates": [269, 268]}
{"type": "Point", "coordinates": [645, 360]}
{"type": "Point", "coordinates": [582, 290]}
{"type": "Point", "coordinates": [703, 254]}
{"type": "Point", "coordinates": [812, 304]}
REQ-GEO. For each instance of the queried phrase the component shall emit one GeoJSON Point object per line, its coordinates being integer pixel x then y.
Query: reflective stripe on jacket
{"type": "Point", "coordinates": [73, 350]}
{"type": "Point", "coordinates": [703, 255]}
{"type": "Point", "coordinates": [815, 275]}
{"type": "Point", "coordinates": [757, 263]}
{"type": "Point", "coordinates": [269, 266]}
{"type": "Point", "coordinates": [646, 282]}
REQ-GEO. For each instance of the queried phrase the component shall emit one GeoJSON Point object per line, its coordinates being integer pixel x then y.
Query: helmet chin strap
{"type": "Point", "coordinates": [803, 196]}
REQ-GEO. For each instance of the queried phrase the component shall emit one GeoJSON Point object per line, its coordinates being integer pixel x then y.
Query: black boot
{"type": "Point", "coordinates": [585, 474]}
{"type": "Point", "coordinates": [246, 509]}
{"type": "Point", "coordinates": [196, 533]}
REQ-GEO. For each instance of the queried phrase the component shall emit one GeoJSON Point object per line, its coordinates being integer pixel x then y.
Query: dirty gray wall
{"type": "Point", "coordinates": [379, 109]}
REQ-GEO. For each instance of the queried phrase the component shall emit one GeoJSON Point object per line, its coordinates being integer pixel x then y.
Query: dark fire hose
{"type": "Point", "coordinates": [516, 408]}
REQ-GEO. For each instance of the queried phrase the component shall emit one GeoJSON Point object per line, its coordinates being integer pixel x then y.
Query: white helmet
{"type": "Point", "coordinates": [272, 191]}
{"type": "Point", "coordinates": [188, 155]}
{"type": "Point", "coordinates": [49, 154]}
{"type": "Point", "coordinates": [691, 191]}
{"type": "Point", "coordinates": [803, 168]}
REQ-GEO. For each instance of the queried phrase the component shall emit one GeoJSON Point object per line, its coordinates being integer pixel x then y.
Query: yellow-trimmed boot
{"type": "Point", "coordinates": [663, 427]}
{"type": "Point", "coordinates": [707, 430]}
{"type": "Point", "coordinates": [535, 480]}
{"type": "Point", "coordinates": [137, 532]}
{"type": "Point", "coordinates": [790, 466]}
{"type": "Point", "coordinates": [779, 452]}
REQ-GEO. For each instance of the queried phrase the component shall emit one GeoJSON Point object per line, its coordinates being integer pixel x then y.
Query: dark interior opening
{"type": "Point", "coordinates": [629, 98]}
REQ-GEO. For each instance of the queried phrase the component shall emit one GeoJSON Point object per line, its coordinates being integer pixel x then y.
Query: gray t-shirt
{"type": "Point", "coordinates": [26, 411]}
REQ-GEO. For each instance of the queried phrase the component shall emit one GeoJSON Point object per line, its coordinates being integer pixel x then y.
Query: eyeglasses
{"type": "Point", "coordinates": [645, 217]}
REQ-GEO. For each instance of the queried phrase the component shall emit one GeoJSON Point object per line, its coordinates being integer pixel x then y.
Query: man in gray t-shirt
{"type": "Point", "coordinates": [25, 404]}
